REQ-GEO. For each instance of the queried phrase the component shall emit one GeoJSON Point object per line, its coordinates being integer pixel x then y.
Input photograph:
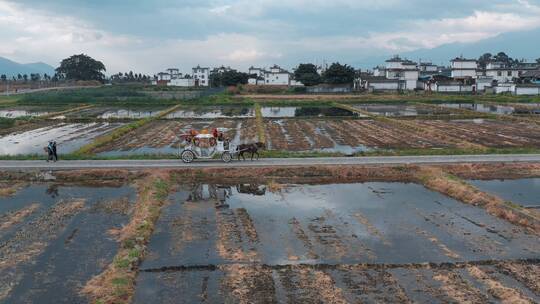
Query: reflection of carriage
{"type": "Point", "coordinates": [205, 146]}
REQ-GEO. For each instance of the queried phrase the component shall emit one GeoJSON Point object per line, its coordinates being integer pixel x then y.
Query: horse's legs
{"type": "Point", "coordinates": [257, 154]}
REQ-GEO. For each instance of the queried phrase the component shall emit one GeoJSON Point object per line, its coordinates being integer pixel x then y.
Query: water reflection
{"type": "Point", "coordinates": [21, 113]}
{"type": "Point", "coordinates": [68, 136]}
{"type": "Point", "coordinates": [284, 112]}
{"type": "Point", "coordinates": [213, 112]}
{"type": "Point", "coordinates": [128, 114]}
{"type": "Point", "coordinates": [482, 108]}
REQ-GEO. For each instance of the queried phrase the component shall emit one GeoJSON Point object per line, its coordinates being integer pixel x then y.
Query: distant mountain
{"type": "Point", "coordinates": [517, 45]}
{"type": "Point", "coordinates": [12, 68]}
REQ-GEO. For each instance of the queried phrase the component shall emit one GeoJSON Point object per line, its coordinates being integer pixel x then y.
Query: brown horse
{"type": "Point", "coordinates": [249, 148]}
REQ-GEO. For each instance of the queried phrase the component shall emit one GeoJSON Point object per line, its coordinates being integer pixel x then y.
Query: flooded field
{"type": "Point", "coordinates": [213, 112]}
{"type": "Point", "coordinates": [289, 112]}
{"type": "Point", "coordinates": [28, 111]}
{"type": "Point", "coordinates": [116, 113]}
{"type": "Point", "coordinates": [54, 238]}
{"type": "Point", "coordinates": [482, 108]}
{"type": "Point", "coordinates": [345, 136]}
{"type": "Point", "coordinates": [343, 243]}
{"type": "Point", "coordinates": [163, 136]}
{"type": "Point", "coordinates": [399, 110]}
{"type": "Point", "coordinates": [69, 137]}
{"type": "Point", "coordinates": [524, 192]}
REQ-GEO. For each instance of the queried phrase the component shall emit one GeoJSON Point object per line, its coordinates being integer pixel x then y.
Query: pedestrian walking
{"type": "Point", "coordinates": [55, 155]}
{"type": "Point", "coordinates": [49, 150]}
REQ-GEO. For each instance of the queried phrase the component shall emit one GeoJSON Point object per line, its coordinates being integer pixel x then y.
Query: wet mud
{"type": "Point", "coordinates": [346, 243]}
{"type": "Point", "coordinates": [57, 239]}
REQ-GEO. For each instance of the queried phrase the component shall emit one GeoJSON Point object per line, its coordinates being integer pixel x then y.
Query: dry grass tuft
{"type": "Point", "coordinates": [436, 179]}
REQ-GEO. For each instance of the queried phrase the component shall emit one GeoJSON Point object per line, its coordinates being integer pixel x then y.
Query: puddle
{"type": "Point", "coordinates": [346, 243]}
{"type": "Point", "coordinates": [213, 112]}
{"type": "Point", "coordinates": [482, 108]}
{"type": "Point", "coordinates": [129, 114]}
{"type": "Point", "coordinates": [525, 192]}
{"type": "Point", "coordinates": [278, 112]}
{"type": "Point", "coordinates": [27, 112]}
{"type": "Point", "coordinates": [69, 137]}
{"type": "Point", "coordinates": [116, 113]}
{"type": "Point", "coordinates": [328, 224]}
{"type": "Point", "coordinates": [401, 110]}
{"type": "Point", "coordinates": [284, 112]}
{"type": "Point", "coordinates": [52, 253]}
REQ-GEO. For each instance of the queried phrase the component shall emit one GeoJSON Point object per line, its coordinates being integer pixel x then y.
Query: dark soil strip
{"type": "Point", "coordinates": [446, 266]}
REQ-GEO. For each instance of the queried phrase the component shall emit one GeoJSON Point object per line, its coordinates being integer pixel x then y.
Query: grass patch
{"type": "Point", "coordinates": [259, 120]}
{"type": "Point", "coordinates": [436, 179]}
{"type": "Point", "coordinates": [116, 284]}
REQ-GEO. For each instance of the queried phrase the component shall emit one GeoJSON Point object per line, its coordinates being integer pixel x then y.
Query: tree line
{"type": "Point", "coordinates": [306, 73]}
{"type": "Point", "coordinates": [501, 57]}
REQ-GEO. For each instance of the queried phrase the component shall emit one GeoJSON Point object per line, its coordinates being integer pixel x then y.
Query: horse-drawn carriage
{"type": "Point", "coordinates": [205, 146]}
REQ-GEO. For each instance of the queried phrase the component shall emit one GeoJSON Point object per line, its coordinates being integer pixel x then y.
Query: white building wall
{"type": "Point", "coordinates": [411, 85]}
{"type": "Point", "coordinates": [384, 86]}
{"type": "Point", "coordinates": [505, 89]}
{"type": "Point", "coordinates": [464, 73]}
{"type": "Point", "coordinates": [464, 65]}
{"type": "Point", "coordinates": [394, 65]}
{"type": "Point", "coordinates": [202, 75]}
{"type": "Point", "coordinates": [276, 78]}
{"type": "Point", "coordinates": [528, 90]}
{"type": "Point", "coordinates": [503, 76]}
{"type": "Point", "coordinates": [182, 82]}
{"type": "Point", "coordinates": [453, 88]}
{"type": "Point", "coordinates": [448, 88]}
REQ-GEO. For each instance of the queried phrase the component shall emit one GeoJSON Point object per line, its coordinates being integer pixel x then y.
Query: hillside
{"type": "Point", "coordinates": [12, 68]}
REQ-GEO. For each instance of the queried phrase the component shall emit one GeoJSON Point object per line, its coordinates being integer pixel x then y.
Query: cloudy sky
{"type": "Point", "coordinates": [148, 36]}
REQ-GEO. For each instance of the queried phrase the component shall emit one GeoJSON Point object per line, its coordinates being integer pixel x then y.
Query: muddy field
{"type": "Point", "coordinates": [386, 242]}
{"type": "Point", "coordinates": [54, 238]}
{"type": "Point", "coordinates": [343, 135]}
{"type": "Point", "coordinates": [163, 136]}
{"type": "Point", "coordinates": [489, 133]}
{"type": "Point", "coordinates": [333, 244]}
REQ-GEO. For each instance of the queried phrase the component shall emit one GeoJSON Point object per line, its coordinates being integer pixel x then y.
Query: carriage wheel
{"type": "Point", "coordinates": [226, 157]}
{"type": "Point", "coordinates": [187, 156]}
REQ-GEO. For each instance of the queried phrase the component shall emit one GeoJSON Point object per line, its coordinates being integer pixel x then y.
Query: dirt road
{"type": "Point", "coordinates": [135, 164]}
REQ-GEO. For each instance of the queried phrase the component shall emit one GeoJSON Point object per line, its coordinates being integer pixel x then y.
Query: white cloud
{"type": "Point", "coordinates": [257, 38]}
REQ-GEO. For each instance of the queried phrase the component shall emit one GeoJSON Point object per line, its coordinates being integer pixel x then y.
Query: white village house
{"type": "Point", "coordinates": [273, 76]}
{"type": "Point", "coordinates": [463, 68]}
{"type": "Point", "coordinates": [201, 76]}
{"type": "Point", "coordinates": [173, 77]}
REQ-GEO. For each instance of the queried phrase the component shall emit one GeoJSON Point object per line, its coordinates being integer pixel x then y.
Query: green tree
{"type": "Point", "coordinates": [307, 74]}
{"type": "Point", "coordinates": [339, 74]}
{"type": "Point", "coordinates": [25, 77]}
{"type": "Point", "coordinates": [3, 77]}
{"type": "Point", "coordinates": [81, 67]}
{"type": "Point", "coordinates": [538, 60]}
{"type": "Point", "coordinates": [35, 77]}
{"type": "Point", "coordinates": [502, 57]}
{"type": "Point", "coordinates": [228, 78]}
{"type": "Point", "coordinates": [484, 59]}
